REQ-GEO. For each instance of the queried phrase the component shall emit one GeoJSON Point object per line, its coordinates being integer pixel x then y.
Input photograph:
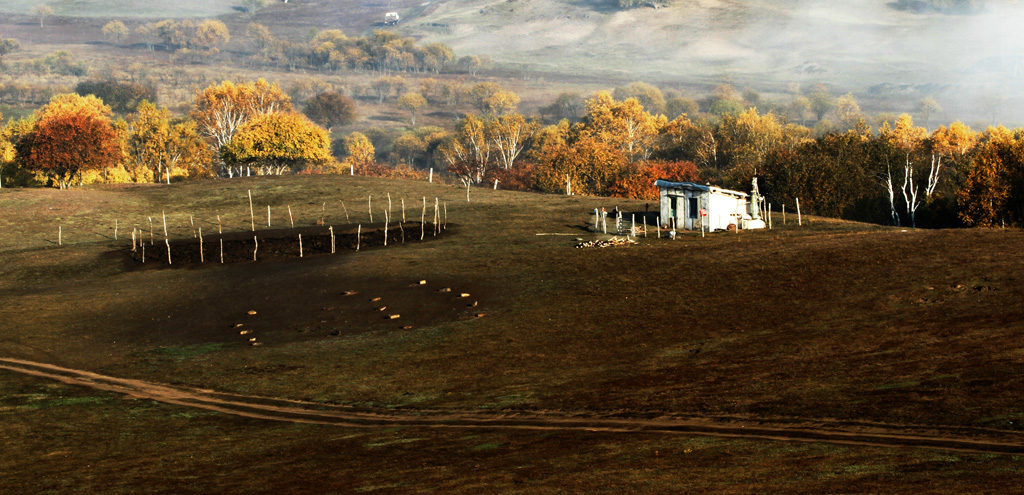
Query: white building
{"type": "Point", "coordinates": [683, 204]}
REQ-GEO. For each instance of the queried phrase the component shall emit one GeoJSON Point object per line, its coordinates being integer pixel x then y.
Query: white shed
{"type": "Point", "coordinates": [683, 202]}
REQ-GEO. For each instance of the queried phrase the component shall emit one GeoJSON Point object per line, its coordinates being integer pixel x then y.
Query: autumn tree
{"type": "Point", "coordinates": [847, 109]}
{"type": "Point", "coordinates": [678, 106]}
{"type": "Point", "coordinates": [157, 146]}
{"type": "Point", "coordinates": [42, 12]}
{"type": "Point", "coordinates": [501, 103]}
{"type": "Point", "coordinates": [567, 152]}
{"type": "Point", "coordinates": [467, 152]}
{"type": "Point", "coordinates": [623, 124]}
{"type": "Point", "coordinates": [359, 152]}
{"type": "Point", "coordinates": [220, 110]}
{"type": "Point", "coordinates": [384, 85]}
{"type": "Point", "coordinates": [116, 31]}
{"type": "Point", "coordinates": [330, 108]}
{"type": "Point", "coordinates": [926, 107]}
{"type": "Point", "coordinates": [745, 140]}
{"type": "Point", "coordinates": [72, 134]}
{"type": "Point", "coordinates": [508, 136]}
{"type": "Point", "coordinates": [821, 103]}
{"type": "Point", "coordinates": [899, 147]}
{"type": "Point", "coordinates": [993, 190]}
{"type": "Point", "coordinates": [652, 99]}
{"type": "Point", "coordinates": [412, 102]}
{"type": "Point", "coordinates": [123, 97]}
{"type": "Point", "coordinates": [567, 106]}
{"type": "Point", "coordinates": [277, 142]}
{"type": "Point", "coordinates": [951, 144]}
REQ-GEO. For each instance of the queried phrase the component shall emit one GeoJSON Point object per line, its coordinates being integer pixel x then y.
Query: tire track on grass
{"type": "Point", "coordinates": [276, 409]}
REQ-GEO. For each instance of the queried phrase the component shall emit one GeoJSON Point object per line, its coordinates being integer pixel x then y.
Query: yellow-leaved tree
{"type": "Point", "coordinates": [360, 154]}
{"type": "Point", "coordinates": [157, 147]}
{"type": "Point", "coordinates": [220, 110]}
{"type": "Point", "coordinates": [276, 142]}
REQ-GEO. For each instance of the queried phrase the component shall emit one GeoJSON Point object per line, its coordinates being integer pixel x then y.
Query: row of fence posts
{"type": "Point", "coordinates": [439, 220]}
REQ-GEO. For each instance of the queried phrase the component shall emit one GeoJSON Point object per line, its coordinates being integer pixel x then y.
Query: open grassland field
{"type": "Point", "coordinates": [560, 369]}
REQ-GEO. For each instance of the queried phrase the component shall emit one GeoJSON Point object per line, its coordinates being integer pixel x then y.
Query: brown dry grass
{"type": "Point", "coordinates": [830, 320]}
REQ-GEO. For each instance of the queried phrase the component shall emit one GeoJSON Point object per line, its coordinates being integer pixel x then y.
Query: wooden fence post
{"type": "Point", "coordinates": [359, 235]}
{"type": "Point", "coordinates": [799, 221]}
{"type": "Point", "coordinates": [252, 214]}
{"type": "Point", "coordinates": [255, 247]}
{"type": "Point", "coordinates": [221, 250]}
{"type": "Point", "coordinates": [300, 245]}
{"type": "Point", "coordinates": [403, 209]}
{"type": "Point", "coordinates": [168, 242]}
{"type": "Point", "coordinates": [291, 221]}
{"type": "Point", "coordinates": [369, 206]}
{"type": "Point", "coordinates": [60, 235]}
{"type": "Point", "coordinates": [202, 257]}
{"type": "Point", "coordinates": [268, 215]}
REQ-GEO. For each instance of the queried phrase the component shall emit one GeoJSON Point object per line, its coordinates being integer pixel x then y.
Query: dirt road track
{"type": "Point", "coordinates": [945, 438]}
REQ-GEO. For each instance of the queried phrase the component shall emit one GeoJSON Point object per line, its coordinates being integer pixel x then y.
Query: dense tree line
{"type": "Point", "coordinates": [896, 172]}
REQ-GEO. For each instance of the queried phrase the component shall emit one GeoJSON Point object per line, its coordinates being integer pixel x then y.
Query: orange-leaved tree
{"type": "Point", "coordinates": [277, 142]}
{"type": "Point", "coordinates": [72, 134]}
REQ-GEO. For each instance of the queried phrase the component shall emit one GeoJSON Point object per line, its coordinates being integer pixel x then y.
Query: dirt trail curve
{"type": "Point", "coordinates": [946, 438]}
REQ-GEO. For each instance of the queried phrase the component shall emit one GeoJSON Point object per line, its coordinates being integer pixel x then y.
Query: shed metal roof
{"type": "Point", "coordinates": [662, 183]}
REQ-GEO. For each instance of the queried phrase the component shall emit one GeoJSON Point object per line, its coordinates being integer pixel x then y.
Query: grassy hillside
{"type": "Point", "coordinates": [125, 8]}
{"type": "Point", "coordinates": [829, 321]}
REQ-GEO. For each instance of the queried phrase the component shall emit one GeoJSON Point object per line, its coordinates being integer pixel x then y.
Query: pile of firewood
{"type": "Point", "coordinates": [614, 241]}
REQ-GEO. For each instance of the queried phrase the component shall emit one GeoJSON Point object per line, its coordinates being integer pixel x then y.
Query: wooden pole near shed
{"type": "Point", "coordinates": [769, 216]}
{"type": "Point", "coordinates": [658, 225]}
{"type": "Point", "coordinates": [799, 221]}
